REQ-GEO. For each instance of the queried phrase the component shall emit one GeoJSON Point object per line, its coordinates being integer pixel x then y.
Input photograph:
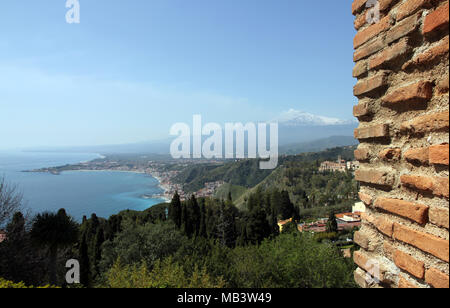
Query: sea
{"type": "Point", "coordinates": [79, 192]}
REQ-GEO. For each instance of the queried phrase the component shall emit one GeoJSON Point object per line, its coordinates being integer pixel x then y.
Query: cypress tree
{"type": "Point", "coordinates": [175, 209]}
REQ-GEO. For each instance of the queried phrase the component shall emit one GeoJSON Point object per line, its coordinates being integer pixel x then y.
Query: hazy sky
{"type": "Point", "coordinates": [132, 68]}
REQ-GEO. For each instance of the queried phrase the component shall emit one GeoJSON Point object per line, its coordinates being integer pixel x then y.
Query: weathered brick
{"type": "Point", "coordinates": [360, 21]}
{"type": "Point", "coordinates": [362, 154]}
{"type": "Point", "coordinates": [431, 244]}
{"type": "Point", "coordinates": [403, 28]}
{"type": "Point", "coordinates": [365, 198]}
{"type": "Point", "coordinates": [405, 284]}
{"type": "Point", "coordinates": [360, 278]}
{"type": "Point", "coordinates": [368, 49]}
{"type": "Point", "coordinates": [374, 131]}
{"type": "Point", "coordinates": [409, 264]}
{"type": "Point", "coordinates": [417, 155]}
{"type": "Point", "coordinates": [361, 239]}
{"type": "Point", "coordinates": [439, 154]}
{"type": "Point", "coordinates": [436, 185]}
{"type": "Point", "coordinates": [382, 224]}
{"type": "Point", "coordinates": [390, 154]}
{"type": "Point", "coordinates": [389, 249]}
{"type": "Point", "coordinates": [357, 5]}
{"type": "Point", "coordinates": [374, 176]}
{"type": "Point", "coordinates": [410, 210]}
{"type": "Point", "coordinates": [427, 123]}
{"type": "Point", "coordinates": [439, 217]}
{"type": "Point", "coordinates": [437, 19]}
{"type": "Point", "coordinates": [385, 4]}
{"type": "Point", "coordinates": [411, 6]}
{"type": "Point", "coordinates": [390, 55]}
{"type": "Point", "coordinates": [437, 279]}
{"type": "Point", "coordinates": [370, 84]}
{"type": "Point", "coordinates": [367, 263]}
{"type": "Point", "coordinates": [419, 92]}
{"type": "Point", "coordinates": [439, 49]}
{"type": "Point", "coordinates": [361, 110]}
{"type": "Point", "coordinates": [443, 85]}
{"type": "Point", "coordinates": [360, 68]}
{"type": "Point", "coordinates": [371, 31]}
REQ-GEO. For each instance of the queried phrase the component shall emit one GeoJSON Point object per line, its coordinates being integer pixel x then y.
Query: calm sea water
{"type": "Point", "coordinates": [79, 192]}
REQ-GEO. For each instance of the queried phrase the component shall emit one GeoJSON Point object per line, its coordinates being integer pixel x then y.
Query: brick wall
{"type": "Point", "coordinates": [402, 63]}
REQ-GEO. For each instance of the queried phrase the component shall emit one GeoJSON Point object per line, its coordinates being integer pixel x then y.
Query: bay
{"type": "Point", "coordinates": [79, 192]}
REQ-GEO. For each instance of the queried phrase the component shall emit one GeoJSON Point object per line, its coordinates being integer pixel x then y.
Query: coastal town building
{"type": "Point", "coordinates": [338, 166]}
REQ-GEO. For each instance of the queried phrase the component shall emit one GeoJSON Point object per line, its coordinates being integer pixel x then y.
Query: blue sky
{"type": "Point", "coordinates": [132, 68]}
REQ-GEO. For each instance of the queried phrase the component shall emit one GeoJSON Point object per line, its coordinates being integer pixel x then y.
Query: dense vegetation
{"type": "Point", "coordinates": [231, 240]}
{"type": "Point", "coordinates": [197, 243]}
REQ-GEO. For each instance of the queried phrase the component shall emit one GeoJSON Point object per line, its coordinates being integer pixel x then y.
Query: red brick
{"type": "Point", "coordinates": [390, 154]}
{"type": "Point", "coordinates": [365, 198]}
{"type": "Point", "coordinates": [385, 4]}
{"type": "Point", "coordinates": [431, 244]}
{"type": "Point", "coordinates": [382, 224]}
{"type": "Point", "coordinates": [417, 155]}
{"type": "Point", "coordinates": [413, 211]}
{"type": "Point", "coordinates": [439, 154]}
{"type": "Point", "coordinates": [436, 20]}
{"type": "Point", "coordinates": [405, 284]}
{"type": "Point", "coordinates": [421, 91]}
{"type": "Point", "coordinates": [439, 49]}
{"type": "Point", "coordinates": [374, 131]}
{"type": "Point", "coordinates": [370, 84]}
{"type": "Point", "coordinates": [437, 279]}
{"type": "Point", "coordinates": [361, 110]}
{"type": "Point", "coordinates": [439, 217]}
{"type": "Point", "coordinates": [371, 31]}
{"type": "Point", "coordinates": [411, 6]}
{"type": "Point", "coordinates": [436, 185]}
{"type": "Point", "coordinates": [357, 5]}
{"type": "Point", "coordinates": [407, 263]}
{"type": "Point", "coordinates": [360, 21]}
{"type": "Point", "coordinates": [403, 28]}
{"type": "Point", "coordinates": [390, 55]}
{"type": "Point", "coordinates": [368, 49]}
{"type": "Point", "coordinates": [374, 176]}
{"type": "Point", "coordinates": [427, 123]}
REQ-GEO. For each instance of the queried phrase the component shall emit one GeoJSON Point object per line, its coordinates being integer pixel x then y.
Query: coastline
{"type": "Point", "coordinates": [162, 196]}
{"type": "Point", "coordinates": [160, 185]}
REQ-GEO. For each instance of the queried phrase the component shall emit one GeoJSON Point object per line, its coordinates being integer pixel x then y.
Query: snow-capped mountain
{"type": "Point", "coordinates": [294, 117]}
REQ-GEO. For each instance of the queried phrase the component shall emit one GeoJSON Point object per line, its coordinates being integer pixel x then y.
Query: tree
{"type": "Point", "coordinates": [54, 231]}
{"type": "Point", "coordinates": [83, 256]}
{"type": "Point", "coordinates": [332, 225]}
{"type": "Point", "coordinates": [175, 210]}
{"type": "Point", "coordinates": [10, 201]}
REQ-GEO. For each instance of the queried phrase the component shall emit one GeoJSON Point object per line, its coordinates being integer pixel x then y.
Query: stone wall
{"type": "Point", "coordinates": [402, 67]}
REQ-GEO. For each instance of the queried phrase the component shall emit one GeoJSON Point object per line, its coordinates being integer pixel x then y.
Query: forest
{"type": "Point", "coordinates": [231, 241]}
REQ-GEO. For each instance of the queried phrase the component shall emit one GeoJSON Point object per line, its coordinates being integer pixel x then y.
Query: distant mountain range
{"type": "Point", "coordinates": [298, 132]}
{"type": "Point", "coordinates": [295, 118]}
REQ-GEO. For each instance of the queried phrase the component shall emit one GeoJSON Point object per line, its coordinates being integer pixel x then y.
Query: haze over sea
{"type": "Point", "coordinates": [79, 192]}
